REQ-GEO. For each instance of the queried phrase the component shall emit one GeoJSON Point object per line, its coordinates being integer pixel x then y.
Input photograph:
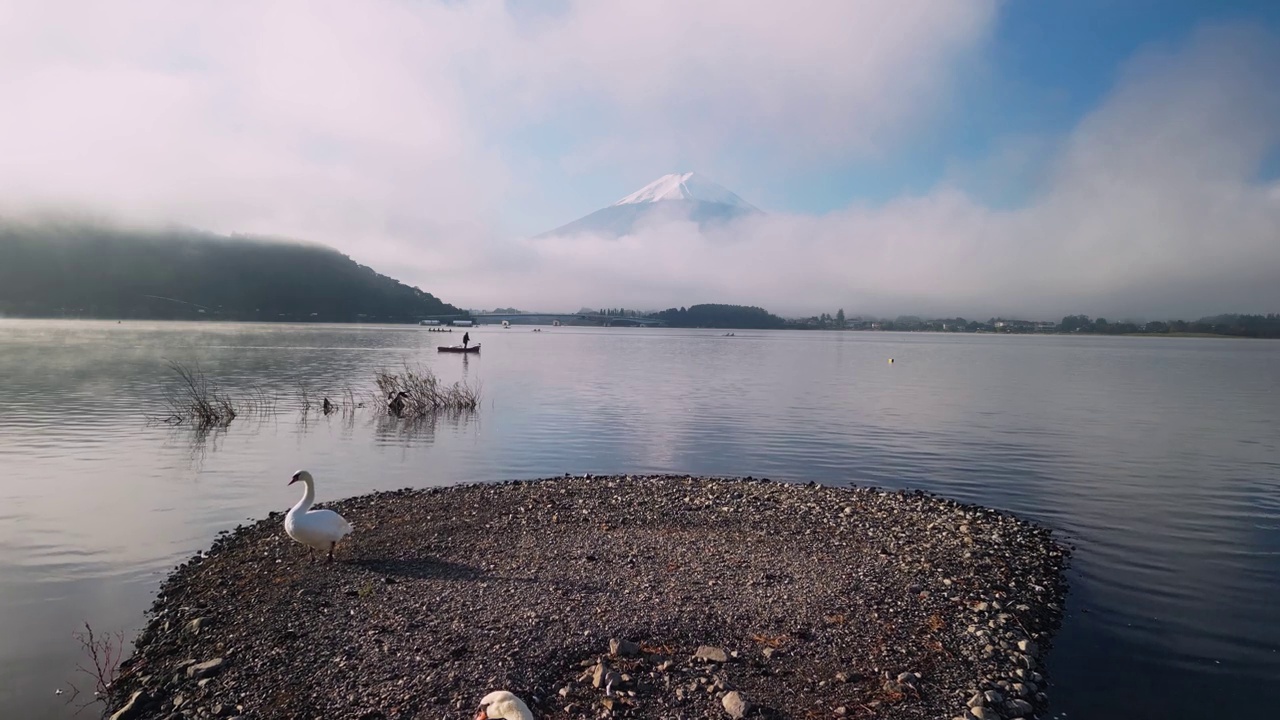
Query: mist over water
{"type": "Point", "coordinates": [1158, 458]}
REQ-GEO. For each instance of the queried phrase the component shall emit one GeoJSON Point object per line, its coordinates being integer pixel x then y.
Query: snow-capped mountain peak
{"type": "Point", "coordinates": [684, 186]}
{"type": "Point", "coordinates": [682, 197]}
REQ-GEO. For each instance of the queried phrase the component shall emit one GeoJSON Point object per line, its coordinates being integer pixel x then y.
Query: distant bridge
{"type": "Point", "coordinates": [548, 318]}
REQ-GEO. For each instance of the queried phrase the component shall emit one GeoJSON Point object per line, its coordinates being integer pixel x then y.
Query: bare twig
{"type": "Point", "coordinates": [100, 662]}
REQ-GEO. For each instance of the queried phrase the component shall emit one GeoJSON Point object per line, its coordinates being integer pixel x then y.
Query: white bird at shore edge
{"type": "Point", "coordinates": [502, 705]}
{"type": "Point", "coordinates": [317, 529]}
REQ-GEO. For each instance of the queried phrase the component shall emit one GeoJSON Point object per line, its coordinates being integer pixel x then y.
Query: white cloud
{"type": "Point", "coordinates": [329, 117]}
{"type": "Point", "coordinates": [1151, 207]}
{"type": "Point", "coordinates": [325, 120]}
{"type": "Point", "coordinates": [385, 128]}
{"type": "Point", "coordinates": [805, 80]}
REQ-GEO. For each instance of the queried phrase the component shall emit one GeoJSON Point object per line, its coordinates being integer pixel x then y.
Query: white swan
{"type": "Point", "coordinates": [502, 705]}
{"type": "Point", "coordinates": [317, 529]}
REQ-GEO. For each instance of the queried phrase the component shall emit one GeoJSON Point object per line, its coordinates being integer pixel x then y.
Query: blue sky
{"type": "Point", "coordinates": [976, 157]}
{"type": "Point", "coordinates": [1046, 65]}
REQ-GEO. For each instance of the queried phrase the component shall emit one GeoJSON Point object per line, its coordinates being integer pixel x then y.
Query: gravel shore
{"type": "Point", "coordinates": [626, 597]}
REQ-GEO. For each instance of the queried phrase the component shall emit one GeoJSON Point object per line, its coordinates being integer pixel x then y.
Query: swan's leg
{"type": "Point", "coordinates": [312, 552]}
{"type": "Point", "coordinates": [331, 546]}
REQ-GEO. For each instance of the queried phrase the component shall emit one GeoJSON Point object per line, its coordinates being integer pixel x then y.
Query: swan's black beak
{"type": "Point", "coordinates": [294, 480]}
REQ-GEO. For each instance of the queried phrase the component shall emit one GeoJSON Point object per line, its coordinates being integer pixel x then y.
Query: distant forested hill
{"type": "Point", "coordinates": [720, 316]}
{"type": "Point", "coordinates": [57, 269]}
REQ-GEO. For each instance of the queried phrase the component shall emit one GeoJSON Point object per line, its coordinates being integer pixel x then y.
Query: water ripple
{"type": "Point", "coordinates": [1159, 460]}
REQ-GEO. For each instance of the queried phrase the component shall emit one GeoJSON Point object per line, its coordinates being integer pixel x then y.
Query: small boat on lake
{"type": "Point", "coordinates": [459, 349]}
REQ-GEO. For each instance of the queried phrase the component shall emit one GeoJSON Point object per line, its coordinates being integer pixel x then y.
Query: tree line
{"type": "Point", "coordinates": [1258, 326]}
{"type": "Point", "coordinates": [738, 316]}
{"type": "Point", "coordinates": [720, 316]}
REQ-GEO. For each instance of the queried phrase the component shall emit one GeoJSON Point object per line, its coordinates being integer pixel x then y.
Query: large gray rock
{"type": "Point", "coordinates": [132, 708]}
{"type": "Point", "coordinates": [735, 703]}
{"type": "Point", "coordinates": [208, 668]}
{"type": "Point", "coordinates": [624, 648]}
{"type": "Point", "coordinates": [711, 654]}
{"type": "Point", "coordinates": [1019, 708]}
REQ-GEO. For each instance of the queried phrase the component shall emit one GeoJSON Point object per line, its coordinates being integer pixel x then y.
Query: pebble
{"type": "Point", "coordinates": [599, 675]}
{"type": "Point", "coordinates": [476, 588]}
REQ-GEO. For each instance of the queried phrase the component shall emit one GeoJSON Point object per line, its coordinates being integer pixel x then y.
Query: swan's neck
{"type": "Point", "coordinates": [308, 497]}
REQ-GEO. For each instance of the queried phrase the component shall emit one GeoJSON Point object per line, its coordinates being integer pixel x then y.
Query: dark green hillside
{"type": "Point", "coordinates": [720, 316]}
{"type": "Point", "coordinates": [81, 270]}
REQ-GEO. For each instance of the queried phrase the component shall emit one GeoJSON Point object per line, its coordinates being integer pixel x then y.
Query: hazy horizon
{"type": "Point", "coordinates": [1128, 167]}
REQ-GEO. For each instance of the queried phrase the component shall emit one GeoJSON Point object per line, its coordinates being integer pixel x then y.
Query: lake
{"type": "Point", "coordinates": [1158, 458]}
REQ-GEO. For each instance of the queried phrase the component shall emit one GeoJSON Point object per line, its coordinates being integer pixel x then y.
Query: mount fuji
{"type": "Point", "coordinates": [687, 197]}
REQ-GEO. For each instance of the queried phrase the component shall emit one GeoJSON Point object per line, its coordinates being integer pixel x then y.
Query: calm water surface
{"type": "Point", "coordinates": [1158, 457]}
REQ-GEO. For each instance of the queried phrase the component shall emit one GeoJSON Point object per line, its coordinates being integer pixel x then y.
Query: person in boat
{"type": "Point", "coordinates": [466, 338]}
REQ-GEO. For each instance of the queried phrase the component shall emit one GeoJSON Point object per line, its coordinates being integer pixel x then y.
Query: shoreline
{"type": "Point", "coordinates": [412, 323]}
{"type": "Point", "coordinates": [851, 602]}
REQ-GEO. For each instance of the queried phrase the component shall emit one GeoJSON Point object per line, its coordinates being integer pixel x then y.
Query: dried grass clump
{"type": "Point", "coordinates": [197, 399]}
{"type": "Point", "coordinates": [198, 402]}
{"type": "Point", "coordinates": [417, 392]}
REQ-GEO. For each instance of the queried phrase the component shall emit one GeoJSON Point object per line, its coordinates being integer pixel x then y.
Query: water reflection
{"type": "Point", "coordinates": [1159, 458]}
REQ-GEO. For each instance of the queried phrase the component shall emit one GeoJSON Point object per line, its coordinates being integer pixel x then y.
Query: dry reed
{"type": "Point", "coordinates": [417, 392]}
{"type": "Point", "coordinates": [197, 399]}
